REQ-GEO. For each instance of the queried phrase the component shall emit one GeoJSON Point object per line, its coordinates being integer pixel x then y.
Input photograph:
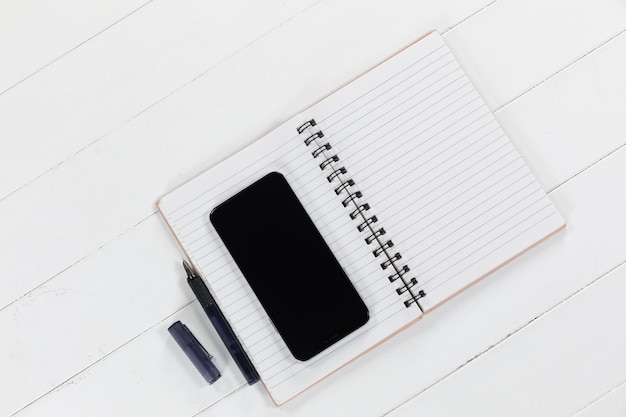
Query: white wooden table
{"type": "Point", "coordinates": [107, 105]}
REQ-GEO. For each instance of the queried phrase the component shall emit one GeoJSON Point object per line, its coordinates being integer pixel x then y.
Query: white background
{"type": "Point", "coordinates": [107, 105]}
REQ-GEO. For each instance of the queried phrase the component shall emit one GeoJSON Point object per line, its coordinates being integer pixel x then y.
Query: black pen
{"type": "Point", "coordinates": [221, 325]}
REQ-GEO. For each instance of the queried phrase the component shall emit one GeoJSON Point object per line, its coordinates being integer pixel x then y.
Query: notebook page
{"type": "Point", "coordinates": [187, 210]}
{"type": "Point", "coordinates": [442, 177]}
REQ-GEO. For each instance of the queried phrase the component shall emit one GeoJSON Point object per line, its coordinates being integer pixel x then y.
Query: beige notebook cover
{"type": "Point", "coordinates": [410, 180]}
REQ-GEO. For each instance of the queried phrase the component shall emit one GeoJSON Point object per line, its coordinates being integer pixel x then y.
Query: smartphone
{"type": "Point", "coordinates": [292, 271]}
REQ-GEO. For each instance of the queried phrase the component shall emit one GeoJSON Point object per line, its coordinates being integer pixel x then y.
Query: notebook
{"type": "Point", "coordinates": [411, 182]}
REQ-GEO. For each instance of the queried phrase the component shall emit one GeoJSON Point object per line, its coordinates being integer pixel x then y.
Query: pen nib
{"type": "Point", "coordinates": [188, 269]}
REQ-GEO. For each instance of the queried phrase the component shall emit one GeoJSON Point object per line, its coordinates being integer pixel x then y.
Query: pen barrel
{"type": "Point", "coordinates": [228, 337]}
{"type": "Point", "coordinates": [223, 329]}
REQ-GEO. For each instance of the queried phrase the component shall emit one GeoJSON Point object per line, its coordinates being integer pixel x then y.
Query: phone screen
{"type": "Point", "coordinates": [299, 282]}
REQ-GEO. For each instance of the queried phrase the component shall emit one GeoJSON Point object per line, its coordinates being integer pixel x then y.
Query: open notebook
{"type": "Point", "coordinates": [411, 182]}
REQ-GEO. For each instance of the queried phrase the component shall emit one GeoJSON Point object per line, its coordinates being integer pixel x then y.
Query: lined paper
{"type": "Point", "coordinates": [449, 187]}
{"type": "Point", "coordinates": [438, 172]}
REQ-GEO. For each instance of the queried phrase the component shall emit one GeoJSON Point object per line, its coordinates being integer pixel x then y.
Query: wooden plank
{"type": "Point", "coordinates": [151, 377]}
{"type": "Point", "coordinates": [513, 45]}
{"type": "Point", "coordinates": [118, 74]}
{"type": "Point", "coordinates": [553, 367]}
{"type": "Point", "coordinates": [98, 305]}
{"type": "Point", "coordinates": [35, 33]}
{"type": "Point", "coordinates": [577, 115]}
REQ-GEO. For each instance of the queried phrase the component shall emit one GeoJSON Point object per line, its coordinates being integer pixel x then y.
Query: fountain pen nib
{"type": "Point", "coordinates": [188, 269]}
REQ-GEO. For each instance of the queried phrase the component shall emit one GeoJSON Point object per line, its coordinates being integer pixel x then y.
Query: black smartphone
{"type": "Point", "coordinates": [299, 282]}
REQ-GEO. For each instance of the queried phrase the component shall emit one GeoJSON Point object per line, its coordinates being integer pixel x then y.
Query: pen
{"type": "Point", "coordinates": [221, 325]}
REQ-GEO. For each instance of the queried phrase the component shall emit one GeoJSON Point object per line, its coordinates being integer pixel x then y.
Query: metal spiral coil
{"type": "Point", "coordinates": [358, 210]}
{"type": "Point", "coordinates": [366, 225]}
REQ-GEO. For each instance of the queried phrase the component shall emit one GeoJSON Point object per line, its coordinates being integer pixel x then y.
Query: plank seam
{"type": "Point", "coordinates": [586, 168]}
{"type": "Point", "coordinates": [600, 398]}
{"type": "Point", "coordinates": [562, 69]}
{"type": "Point", "coordinates": [76, 46]}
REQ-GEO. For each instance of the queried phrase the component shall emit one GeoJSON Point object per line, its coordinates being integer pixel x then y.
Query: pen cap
{"type": "Point", "coordinates": [196, 353]}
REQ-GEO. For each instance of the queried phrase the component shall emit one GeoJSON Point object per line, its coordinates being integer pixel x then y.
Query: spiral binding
{"type": "Point", "coordinates": [366, 224]}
